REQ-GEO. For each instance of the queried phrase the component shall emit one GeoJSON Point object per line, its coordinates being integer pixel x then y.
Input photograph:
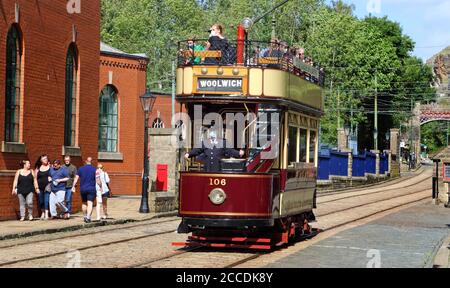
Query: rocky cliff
{"type": "Point", "coordinates": [441, 67]}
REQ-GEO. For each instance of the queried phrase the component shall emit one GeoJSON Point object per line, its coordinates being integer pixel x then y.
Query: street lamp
{"type": "Point", "coordinates": [147, 102]}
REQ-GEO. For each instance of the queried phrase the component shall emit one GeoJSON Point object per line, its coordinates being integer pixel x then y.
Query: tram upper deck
{"type": "Point", "coordinates": [250, 70]}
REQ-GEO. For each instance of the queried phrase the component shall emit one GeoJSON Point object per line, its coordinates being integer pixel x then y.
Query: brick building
{"type": "Point", "coordinates": [121, 132]}
{"type": "Point", "coordinates": [49, 57]}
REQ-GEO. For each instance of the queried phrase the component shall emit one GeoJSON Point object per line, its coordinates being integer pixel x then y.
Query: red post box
{"type": "Point", "coordinates": [161, 177]}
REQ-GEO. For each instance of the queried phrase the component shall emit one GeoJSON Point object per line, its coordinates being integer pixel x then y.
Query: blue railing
{"type": "Point", "coordinates": [333, 163]}
{"type": "Point", "coordinates": [336, 164]}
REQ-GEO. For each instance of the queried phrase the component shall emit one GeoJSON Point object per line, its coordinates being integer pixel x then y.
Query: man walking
{"type": "Point", "coordinates": [58, 177]}
{"type": "Point", "coordinates": [72, 169]}
{"type": "Point", "coordinates": [87, 188]}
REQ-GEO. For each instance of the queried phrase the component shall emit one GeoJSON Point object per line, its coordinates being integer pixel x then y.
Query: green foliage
{"type": "Point", "coordinates": [361, 57]}
{"type": "Point", "coordinates": [434, 135]}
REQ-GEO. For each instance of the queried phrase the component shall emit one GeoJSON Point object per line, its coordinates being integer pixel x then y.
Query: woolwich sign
{"type": "Point", "coordinates": [219, 84]}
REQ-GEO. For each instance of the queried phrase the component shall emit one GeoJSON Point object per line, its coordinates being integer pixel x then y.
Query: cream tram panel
{"type": "Point", "coordinates": [188, 78]}
{"type": "Point", "coordinates": [180, 81]}
{"type": "Point", "coordinates": [255, 82]}
{"type": "Point", "coordinates": [305, 92]}
{"type": "Point", "coordinates": [276, 83]}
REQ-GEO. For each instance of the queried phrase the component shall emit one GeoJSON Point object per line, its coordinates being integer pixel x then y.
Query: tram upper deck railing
{"type": "Point", "coordinates": [256, 54]}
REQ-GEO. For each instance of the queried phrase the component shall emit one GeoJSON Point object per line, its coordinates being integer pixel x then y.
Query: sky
{"type": "Point", "coordinates": [427, 22]}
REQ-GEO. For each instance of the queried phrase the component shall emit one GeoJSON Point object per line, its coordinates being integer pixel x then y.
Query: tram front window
{"type": "Point", "coordinates": [292, 150]}
{"type": "Point", "coordinates": [303, 145]}
{"type": "Point", "coordinates": [312, 146]}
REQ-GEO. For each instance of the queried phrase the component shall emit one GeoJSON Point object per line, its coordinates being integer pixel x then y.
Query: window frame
{"type": "Point", "coordinates": [71, 97]}
{"type": "Point", "coordinates": [13, 85]}
{"type": "Point", "coordinates": [108, 110]}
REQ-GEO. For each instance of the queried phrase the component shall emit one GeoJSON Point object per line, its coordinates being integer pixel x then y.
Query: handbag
{"type": "Point", "coordinates": [48, 188]}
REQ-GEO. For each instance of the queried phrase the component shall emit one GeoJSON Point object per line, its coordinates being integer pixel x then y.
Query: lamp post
{"type": "Point", "coordinates": [147, 102]}
{"type": "Point", "coordinates": [375, 137]}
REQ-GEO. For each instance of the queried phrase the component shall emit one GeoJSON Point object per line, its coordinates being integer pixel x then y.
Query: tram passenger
{"type": "Point", "coordinates": [214, 152]}
{"type": "Point", "coordinates": [192, 48]}
{"type": "Point", "coordinates": [218, 42]}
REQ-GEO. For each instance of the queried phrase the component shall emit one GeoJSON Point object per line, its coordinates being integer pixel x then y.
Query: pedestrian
{"type": "Point", "coordinates": [72, 169]}
{"type": "Point", "coordinates": [214, 150]}
{"type": "Point", "coordinates": [24, 185]}
{"type": "Point", "coordinates": [86, 175]}
{"type": "Point", "coordinates": [42, 173]}
{"type": "Point", "coordinates": [102, 187]}
{"type": "Point", "coordinates": [58, 178]}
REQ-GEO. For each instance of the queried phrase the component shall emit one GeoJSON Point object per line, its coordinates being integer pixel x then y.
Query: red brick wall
{"type": "Point", "coordinates": [163, 105]}
{"type": "Point", "coordinates": [129, 78]}
{"type": "Point", "coordinates": [47, 33]}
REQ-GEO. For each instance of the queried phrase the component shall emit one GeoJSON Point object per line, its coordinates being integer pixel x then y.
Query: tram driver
{"type": "Point", "coordinates": [212, 152]}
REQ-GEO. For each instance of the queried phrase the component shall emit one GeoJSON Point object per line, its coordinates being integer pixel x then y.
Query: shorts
{"type": "Point", "coordinates": [100, 196]}
{"type": "Point", "coordinates": [88, 196]}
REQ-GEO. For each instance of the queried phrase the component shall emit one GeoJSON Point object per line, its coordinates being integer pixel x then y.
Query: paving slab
{"type": "Point", "coordinates": [407, 239]}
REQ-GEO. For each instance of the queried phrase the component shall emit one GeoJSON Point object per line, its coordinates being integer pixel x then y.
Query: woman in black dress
{"type": "Point", "coordinates": [24, 185]}
{"type": "Point", "coordinates": [42, 172]}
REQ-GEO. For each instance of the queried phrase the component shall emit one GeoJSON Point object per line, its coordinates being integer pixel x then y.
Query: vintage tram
{"type": "Point", "coordinates": [266, 198]}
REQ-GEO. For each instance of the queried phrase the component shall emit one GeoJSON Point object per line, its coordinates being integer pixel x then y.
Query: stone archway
{"type": "Point", "coordinates": [422, 115]}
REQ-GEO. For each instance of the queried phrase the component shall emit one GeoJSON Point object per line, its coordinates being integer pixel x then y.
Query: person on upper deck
{"type": "Point", "coordinates": [214, 150]}
{"type": "Point", "coordinates": [217, 42]}
{"type": "Point", "coordinates": [192, 48]}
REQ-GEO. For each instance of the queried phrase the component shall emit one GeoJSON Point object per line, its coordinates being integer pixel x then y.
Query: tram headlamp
{"type": "Point", "coordinates": [247, 23]}
{"type": "Point", "coordinates": [217, 196]}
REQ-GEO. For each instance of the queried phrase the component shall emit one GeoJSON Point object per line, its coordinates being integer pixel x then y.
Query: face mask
{"type": "Point", "coordinates": [213, 33]}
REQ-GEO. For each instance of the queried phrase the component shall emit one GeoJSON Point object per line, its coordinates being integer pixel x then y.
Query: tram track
{"type": "Point", "coordinates": [399, 180]}
{"type": "Point", "coordinates": [73, 234]}
{"type": "Point", "coordinates": [84, 248]}
{"type": "Point", "coordinates": [370, 203]}
{"type": "Point", "coordinates": [421, 180]}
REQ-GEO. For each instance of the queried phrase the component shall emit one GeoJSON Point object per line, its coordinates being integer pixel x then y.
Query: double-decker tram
{"type": "Point", "coordinates": [266, 109]}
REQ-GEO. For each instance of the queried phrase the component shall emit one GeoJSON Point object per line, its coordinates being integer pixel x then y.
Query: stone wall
{"type": "Point", "coordinates": [164, 150]}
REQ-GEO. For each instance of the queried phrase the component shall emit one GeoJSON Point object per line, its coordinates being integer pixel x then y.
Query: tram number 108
{"type": "Point", "coordinates": [217, 182]}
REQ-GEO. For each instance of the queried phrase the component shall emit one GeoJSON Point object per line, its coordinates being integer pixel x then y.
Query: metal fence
{"type": "Point", "coordinates": [249, 54]}
{"type": "Point", "coordinates": [333, 163]}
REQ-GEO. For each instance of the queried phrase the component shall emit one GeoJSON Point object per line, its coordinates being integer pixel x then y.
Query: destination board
{"type": "Point", "coordinates": [219, 84]}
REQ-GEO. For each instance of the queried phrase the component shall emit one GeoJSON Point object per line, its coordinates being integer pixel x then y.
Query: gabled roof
{"type": "Point", "coordinates": [109, 50]}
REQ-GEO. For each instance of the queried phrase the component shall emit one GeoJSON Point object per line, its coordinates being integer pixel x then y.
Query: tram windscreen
{"type": "Point", "coordinates": [312, 146]}
{"type": "Point", "coordinates": [303, 145]}
{"type": "Point", "coordinates": [292, 149]}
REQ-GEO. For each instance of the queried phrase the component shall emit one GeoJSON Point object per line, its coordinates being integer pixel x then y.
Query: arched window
{"type": "Point", "coordinates": [70, 123]}
{"type": "Point", "coordinates": [158, 123]}
{"type": "Point", "coordinates": [12, 90]}
{"type": "Point", "coordinates": [108, 118]}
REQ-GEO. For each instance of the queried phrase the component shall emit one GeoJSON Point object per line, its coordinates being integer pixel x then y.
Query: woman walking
{"type": "Point", "coordinates": [102, 187]}
{"type": "Point", "coordinates": [42, 172]}
{"type": "Point", "coordinates": [24, 185]}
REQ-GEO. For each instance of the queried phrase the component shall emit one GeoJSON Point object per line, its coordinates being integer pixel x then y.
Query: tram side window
{"type": "Point", "coordinates": [312, 146]}
{"type": "Point", "coordinates": [303, 145]}
{"type": "Point", "coordinates": [292, 149]}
